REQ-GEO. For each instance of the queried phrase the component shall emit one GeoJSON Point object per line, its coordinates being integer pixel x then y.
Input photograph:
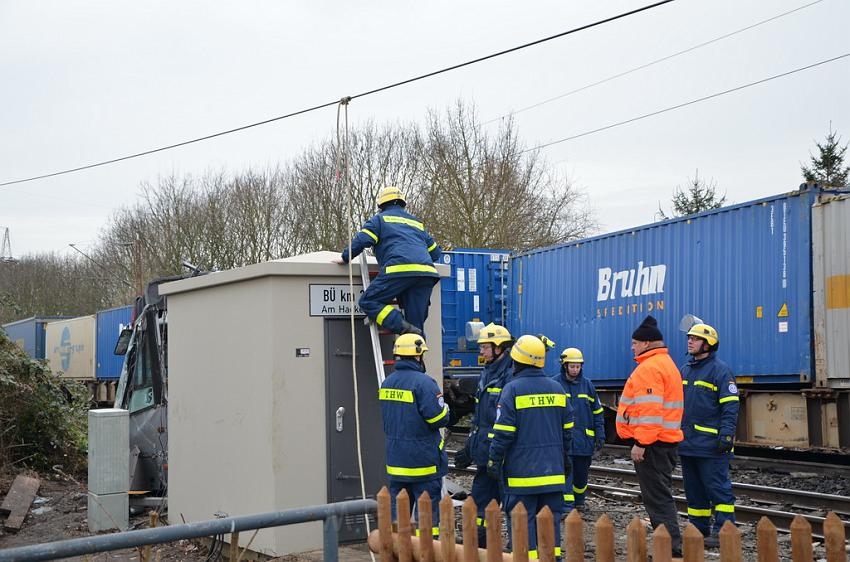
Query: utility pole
{"type": "Point", "coordinates": [137, 266]}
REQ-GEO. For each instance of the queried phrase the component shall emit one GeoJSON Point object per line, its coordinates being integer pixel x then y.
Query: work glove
{"type": "Point", "coordinates": [598, 445]}
{"type": "Point", "coordinates": [494, 470]}
{"type": "Point", "coordinates": [462, 458]}
{"type": "Point", "coordinates": [725, 444]}
{"type": "Point", "coordinates": [568, 465]}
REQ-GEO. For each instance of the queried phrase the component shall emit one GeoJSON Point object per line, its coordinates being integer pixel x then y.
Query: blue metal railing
{"type": "Point", "coordinates": [331, 514]}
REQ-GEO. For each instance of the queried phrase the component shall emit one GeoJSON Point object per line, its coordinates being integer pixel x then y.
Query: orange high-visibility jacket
{"type": "Point", "coordinates": [652, 402]}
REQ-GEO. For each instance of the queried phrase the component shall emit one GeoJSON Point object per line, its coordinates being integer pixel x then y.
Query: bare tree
{"type": "Point", "coordinates": [319, 199]}
{"type": "Point", "coordinates": [50, 284]}
{"type": "Point", "coordinates": [487, 191]}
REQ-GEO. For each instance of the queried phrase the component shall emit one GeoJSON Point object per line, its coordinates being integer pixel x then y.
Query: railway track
{"type": "Point", "coordinates": [754, 501]}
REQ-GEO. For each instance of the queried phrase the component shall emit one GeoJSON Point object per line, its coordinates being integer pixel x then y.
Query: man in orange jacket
{"type": "Point", "coordinates": [650, 416]}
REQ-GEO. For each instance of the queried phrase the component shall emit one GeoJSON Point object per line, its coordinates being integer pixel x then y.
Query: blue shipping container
{"type": "Point", "coordinates": [744, 269]}
{"type": "Point", "coordinates": [475, 291]}
{"type": "Point", "coordinates": [29, 334]}
{"type": "Point", "coordinates": [109, 325]}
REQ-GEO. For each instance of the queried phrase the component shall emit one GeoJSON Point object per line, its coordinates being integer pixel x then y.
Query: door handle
{"type": "Point", "coordinates": [340, 412]}
{"type": "Point", "coordinates": [341, 476]}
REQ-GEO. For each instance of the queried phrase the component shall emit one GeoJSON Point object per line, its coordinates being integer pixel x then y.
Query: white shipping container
{"type": "Point", "coordinates": [70, 347]}
{"type": "Point", "coordinates": [831, 282]}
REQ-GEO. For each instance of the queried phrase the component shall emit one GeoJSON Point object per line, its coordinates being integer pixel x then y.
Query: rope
{"type": "Point", "coordinates": [342, 145]}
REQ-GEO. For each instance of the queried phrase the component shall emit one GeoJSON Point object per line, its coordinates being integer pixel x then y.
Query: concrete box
{"type": "Point", "coordinates": [109, 450]}
{"type": "Point", "coordinates": [247, 414]}
{"type": "Point", "coordinates": [108, 511]}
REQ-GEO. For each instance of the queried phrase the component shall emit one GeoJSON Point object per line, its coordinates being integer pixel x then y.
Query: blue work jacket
{"type": "Point", "coordinates": [533, 429]}
{"type": "Point", "coordinates": [588, 412]}
{"type": "Point", "coordinates": [402, 245]}
{"type": "Point", "coordinates": [493, 378]}
{"type": "Point", "coordinates": [413, 411]}
{"type": "Point", "coordinates": [711, 406]}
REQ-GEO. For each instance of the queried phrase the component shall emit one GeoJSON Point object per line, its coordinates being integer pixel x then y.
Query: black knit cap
{"type": "Point", "coordinates": [648, 330]}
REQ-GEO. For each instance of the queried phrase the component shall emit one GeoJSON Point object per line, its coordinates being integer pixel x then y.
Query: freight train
{"type": "Point", "coordinates": [771, 275]}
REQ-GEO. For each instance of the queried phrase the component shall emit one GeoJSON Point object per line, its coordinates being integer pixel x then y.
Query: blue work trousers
{"type": "Point", "coordinates": [707, 486]}
{"type": "Point", "coordinates": [533, 504]}
{"type": "Point", "coordinates": [484, 490]}
{"type": "Point", "coordinates": [414, 490]}
{"type": "Point", "coordinates": [413, 295]}
{"type": "Point", "coordinates": [577, 482]}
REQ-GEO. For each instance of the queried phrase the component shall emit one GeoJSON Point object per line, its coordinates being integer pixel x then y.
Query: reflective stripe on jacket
{"type": "Point", "coordinates": [711, 406]}
{"type": "Point", "coordinates": [588, 412]}
{"type": "Point", "coordinates": [531, 433]}
{"type": "Point", "coordinates": [650, 407]}
{"type": "Point", "coordinates": [402, 245]}
{"type": "Point", "coordinates": [413, 411]}
{"type": "Point", "coordinates": [493, 378]}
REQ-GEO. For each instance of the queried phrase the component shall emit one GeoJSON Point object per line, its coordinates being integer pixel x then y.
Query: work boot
{"type": "Point", "coordinates": [408, 328]}
{"type": "Point", "coordinates": [711, 541]}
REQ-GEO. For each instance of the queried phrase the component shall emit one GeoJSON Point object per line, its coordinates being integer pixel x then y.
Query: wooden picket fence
{"type": "Point", "coordinates": [403, 546]}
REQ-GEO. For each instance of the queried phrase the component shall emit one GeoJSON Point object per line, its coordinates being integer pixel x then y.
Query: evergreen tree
{"type": "Point", "coordinates": [697, 196]}
{"type": "Point", "coordinates": [828, 167]}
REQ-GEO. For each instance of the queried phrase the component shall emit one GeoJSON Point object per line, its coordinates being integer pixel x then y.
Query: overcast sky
{"type": "Point", "coordinates": [82, 82]}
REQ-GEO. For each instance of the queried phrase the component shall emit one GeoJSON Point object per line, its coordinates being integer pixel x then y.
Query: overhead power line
{"type": "Point", "coordinates": [334, 102]}
{"type": "Point", "coordinates": [652, 63]}
{"type": "Point", "coordinates": [685, 104]}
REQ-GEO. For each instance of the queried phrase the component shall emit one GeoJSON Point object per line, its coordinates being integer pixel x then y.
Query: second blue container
{"type": "Point", "coordinates": [109, 325]}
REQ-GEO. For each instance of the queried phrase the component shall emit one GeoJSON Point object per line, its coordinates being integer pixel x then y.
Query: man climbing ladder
{"type": "Point", "coordinates": [406, 254]}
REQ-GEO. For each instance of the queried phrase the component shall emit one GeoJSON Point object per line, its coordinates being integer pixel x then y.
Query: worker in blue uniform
{"type": "Point", "coordinates": [532, 433]}
{"type": "Point", "coordinates": [709, 421]}
{"type": "Point", "coordinates": [406, 254]}
{"type": "Point", "coordinates": [413, 412]}
{"type": "Point", "coordinates": [589, 429]}
{"type": "Point", "coordinates": [494, 343]}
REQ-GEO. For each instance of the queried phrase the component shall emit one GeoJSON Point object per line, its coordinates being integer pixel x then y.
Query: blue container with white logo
{"type": "Point", "coordinates": [475, 292]}
{"type": "Point", "coordinates": [109, 325]}
{"type": "Point", "coordinates": [29, 334]}
{"type": "Point", "coordinates": [744, 269]}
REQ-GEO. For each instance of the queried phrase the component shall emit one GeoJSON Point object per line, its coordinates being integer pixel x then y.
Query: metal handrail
{"type": "Point", "coordinates": [329, 513]}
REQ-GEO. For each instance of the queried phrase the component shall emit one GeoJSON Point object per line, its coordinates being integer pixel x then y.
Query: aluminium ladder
{"type": "Point", "coordinates": [373, 328]}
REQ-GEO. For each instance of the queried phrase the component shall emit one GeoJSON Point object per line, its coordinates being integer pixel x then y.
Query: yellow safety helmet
{"type": "Point", "coordinates": [390, 193]}
{"type": "Point", "coordinates": [409, 345]}
{"type": "Point", "coordinates": [495, 334]}
{"type": "Point", "coordinates": [529, 350]}
{"type": "Point", "coordinates": [705, 332]}
{"type": "Point", "coordinates": [572, 355]}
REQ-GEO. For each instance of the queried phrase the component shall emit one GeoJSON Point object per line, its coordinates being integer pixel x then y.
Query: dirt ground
{"type": "Point", "coordinates": [59, 512]}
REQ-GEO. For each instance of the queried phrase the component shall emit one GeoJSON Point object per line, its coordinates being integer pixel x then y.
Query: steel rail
{"type": "Point", "coordinates": [771, 494]}
{"type": "Point", "coordinates": [743, 513]}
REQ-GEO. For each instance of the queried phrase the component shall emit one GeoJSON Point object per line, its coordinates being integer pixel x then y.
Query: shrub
{"type": "Point", "coordinates": [43, 419]}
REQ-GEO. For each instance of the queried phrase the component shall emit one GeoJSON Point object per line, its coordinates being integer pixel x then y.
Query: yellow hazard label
{"type": "Point", "coordinates": [783, 312]}
{"type": "Point", "coordinates": [741, 380]}
{"type": "Point", "coordinates": [454, 363]}
{"type": "Point", "coordinates": [480, 360]}
{"type": "Point", "coordinates": [759, 312]}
